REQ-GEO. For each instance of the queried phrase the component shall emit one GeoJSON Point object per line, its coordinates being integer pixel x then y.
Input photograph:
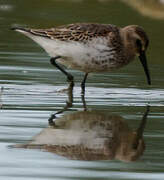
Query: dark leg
{"type": "Point", "coordinates": [69, 76]}
{"type": "Point", "coordinates": [83, 83]}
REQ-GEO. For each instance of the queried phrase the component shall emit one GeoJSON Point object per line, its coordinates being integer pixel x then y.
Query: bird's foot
{"type": "Point", "coordinates": [67, 90]}
{"type": "Point", "coordinates": [70, 78]}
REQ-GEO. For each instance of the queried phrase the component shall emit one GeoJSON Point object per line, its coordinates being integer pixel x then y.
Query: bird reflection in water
{"type": "Point", "coordinates": [91, 135]}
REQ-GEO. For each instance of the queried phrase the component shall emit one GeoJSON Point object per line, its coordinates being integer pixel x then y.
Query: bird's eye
{"type": "Point", "coordinates": [139, 45]}
{"type": "Point", "coordinates": [138, 42]}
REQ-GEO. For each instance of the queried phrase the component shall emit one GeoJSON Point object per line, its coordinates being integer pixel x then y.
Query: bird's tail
{"type": "Point", "coordinates": [21, 29]}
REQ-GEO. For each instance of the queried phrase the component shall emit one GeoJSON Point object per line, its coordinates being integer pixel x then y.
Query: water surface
{"type": "Point", "coordinates": [30, 91]}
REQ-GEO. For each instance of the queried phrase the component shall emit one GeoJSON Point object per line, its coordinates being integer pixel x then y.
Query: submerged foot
{"type": "Point", "coordinates": [67, 90]}
{"type": "Point", "coordinates": [70, 78]}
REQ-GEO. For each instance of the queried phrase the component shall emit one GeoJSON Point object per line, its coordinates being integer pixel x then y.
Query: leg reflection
{"type": "Point", "coordinates": [68, 105]}
{"type": "Point", "coordinates": [83, 101]}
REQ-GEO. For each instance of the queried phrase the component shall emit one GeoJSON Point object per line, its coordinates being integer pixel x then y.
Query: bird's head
{"type": "Point", "coordinates": [137, 43]}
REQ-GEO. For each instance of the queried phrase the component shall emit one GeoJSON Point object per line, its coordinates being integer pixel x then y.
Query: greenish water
{"type": "Point", "coordinates": [30, 96]}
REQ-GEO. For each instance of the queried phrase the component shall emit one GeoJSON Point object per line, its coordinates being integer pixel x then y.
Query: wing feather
{"type": "Point", "coordinates": [76, 32]}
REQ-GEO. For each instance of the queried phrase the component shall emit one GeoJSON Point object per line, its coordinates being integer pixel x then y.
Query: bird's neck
{"type": "Point", "coordinates": [128, 44]}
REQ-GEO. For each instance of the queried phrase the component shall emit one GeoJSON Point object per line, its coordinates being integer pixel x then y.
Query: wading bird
{"type": "Point", "coordinates": [90, 47]}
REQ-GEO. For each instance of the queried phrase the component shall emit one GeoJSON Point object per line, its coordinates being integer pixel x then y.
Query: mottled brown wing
{"type": "Point", "coordinates": [76, 32]}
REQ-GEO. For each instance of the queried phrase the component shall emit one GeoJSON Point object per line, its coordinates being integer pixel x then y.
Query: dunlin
{"type": "Point", "coordinates": [90, 47]}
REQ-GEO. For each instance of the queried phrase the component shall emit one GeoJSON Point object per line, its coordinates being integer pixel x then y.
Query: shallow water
{"type": "Point", "coordinates": [30, 92]}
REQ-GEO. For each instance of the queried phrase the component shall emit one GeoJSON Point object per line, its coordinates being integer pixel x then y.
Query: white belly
{"type": "Point", "coordinates": [93, 56]}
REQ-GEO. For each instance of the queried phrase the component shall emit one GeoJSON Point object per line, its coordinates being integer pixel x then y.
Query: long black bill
{"type": "Point", "coordinates": [145, 66]}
